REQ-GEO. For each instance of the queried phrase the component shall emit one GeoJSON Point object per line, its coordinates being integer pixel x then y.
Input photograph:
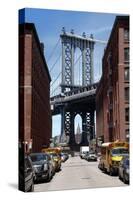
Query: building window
{"type": "Point", "coordinates": [111, 116]}
{"type": "Point", "coordinates": [126, 74]}
{"type": "Point", "coordinates": [127, 114]}
{"type": "Point", "coordinates": [127, 94]}
{"type": "Point", "coordinates": [126, 54]}
{"type": "Point", "coordinates": [127, 134]}
{"type": "Point", "coordinates": [126, 35]}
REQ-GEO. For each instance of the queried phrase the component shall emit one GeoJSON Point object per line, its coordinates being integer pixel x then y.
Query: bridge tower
{"type": "Point", "coordinates": [70, 42]}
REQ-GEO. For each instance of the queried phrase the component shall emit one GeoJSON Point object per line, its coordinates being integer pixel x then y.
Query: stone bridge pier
{"type": "Point", "coordinates": [68, 123]}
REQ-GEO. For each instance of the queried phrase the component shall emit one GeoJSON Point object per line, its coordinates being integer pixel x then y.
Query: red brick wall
{"type": "Point", "coordinates": [34, 91]}
{"type": "Point", "coordinates": [27, 86]}
{"type": "Point", "coordinates": [99, 112]}
{"type": "Point", "coordinates": [25, 47]}
{"type": "Point", "coordinates": [113, 127]}
{"type": "Point", "coordinates": [41, 117]}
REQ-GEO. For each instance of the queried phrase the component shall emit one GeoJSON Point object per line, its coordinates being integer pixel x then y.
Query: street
{"type": "Point", "coordinates": [77, 173]}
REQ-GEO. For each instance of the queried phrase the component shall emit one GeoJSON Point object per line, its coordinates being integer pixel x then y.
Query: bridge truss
{"type": "Point", "coordinates": [75, 99]}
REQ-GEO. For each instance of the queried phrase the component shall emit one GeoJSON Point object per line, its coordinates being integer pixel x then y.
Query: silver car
{"type": "Point", "coordinates": [124, 169]}
{"type": "Point", "coordinates": [91, 156]}
{"type": "Point", "coordinates": [42, 165]}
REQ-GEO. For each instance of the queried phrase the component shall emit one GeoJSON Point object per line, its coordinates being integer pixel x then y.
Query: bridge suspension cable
{"type": "Point", "coordinates": [50, 56]}
{"type": "Point", "coordinates": [55, 84]}
{"type": "Point", "coordinates": [55, 63]}
{"type": "Point", "coordinates": [54, 90]}
{"type": "Point", "coordinates": [56, 79]}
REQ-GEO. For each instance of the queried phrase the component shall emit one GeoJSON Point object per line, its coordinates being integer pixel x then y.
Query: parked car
{"type": "Point", "coordinates": [54, 163]}
{"type": "Point", "coordinates": [124, 169]}
{"type": "Point", "coordinates": [91, 156]}
{"type": "Point", "coordinates": [64, 157]}
{"type": "Point", "coordinates": [57, 159]}
{"type": "Point", "coordinates": [101, 164]}
{"type": "Point", "coordinates": [42, 165]}
{"type": "Point", "coordinates": [26, 174]}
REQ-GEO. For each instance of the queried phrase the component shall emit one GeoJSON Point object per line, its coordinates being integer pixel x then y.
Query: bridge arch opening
{"type": "Point", "coordinates": [78, 67]}
{"type": "Point", "coordinates": [78, 128]}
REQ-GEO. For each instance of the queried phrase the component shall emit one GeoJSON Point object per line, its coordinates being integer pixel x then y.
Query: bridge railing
{"type": "Point", "coordinates": [81, 89]}
{"type": "Point", "coordinates": [77, 93]}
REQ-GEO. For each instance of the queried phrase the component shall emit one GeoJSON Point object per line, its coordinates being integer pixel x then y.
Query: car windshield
{"type": "Point", "coordinates": [119, 151]}
{"type": "Point", "coordinates": [53, 154]}
{"type": "Point", "coordinates": [38, 157]}
{"type": "Point", "coordinates": [91, 152]}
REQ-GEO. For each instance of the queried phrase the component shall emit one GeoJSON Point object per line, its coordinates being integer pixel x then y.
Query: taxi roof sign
{"type": "Point", "coordinates": [115, 144]}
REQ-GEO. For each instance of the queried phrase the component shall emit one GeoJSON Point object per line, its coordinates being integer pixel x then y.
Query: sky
{"type": "Point", "coordinates": [49, 25]}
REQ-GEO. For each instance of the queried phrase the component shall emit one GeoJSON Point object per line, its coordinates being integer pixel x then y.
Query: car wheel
{"type": "Point", "coordinates": [99, 166]}
{"type": "Point", "coordinates": [103, 168]}
{"type": "Point", "coordinates": [111, 171]}
{"type": "Point", "coordinates": [32, 187]}
{"type": "Point", "coordinates": [59, 168]}
{"type": "Point", "coordinates": [119, 175]}
{"type": "Point", "coordinates": [125, 179]}
{"type": "Point", "coordinates": [49, 177]}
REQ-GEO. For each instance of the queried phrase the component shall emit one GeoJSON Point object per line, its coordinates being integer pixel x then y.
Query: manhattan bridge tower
{"type": "Point", "coordinates": [70, 42]}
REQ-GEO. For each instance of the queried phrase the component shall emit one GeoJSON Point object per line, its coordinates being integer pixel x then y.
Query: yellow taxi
{"type": "Point", "coordinates": [55, 154]}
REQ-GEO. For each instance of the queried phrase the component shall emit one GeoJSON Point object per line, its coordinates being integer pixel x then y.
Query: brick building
{"type": "Point", "coordinates": [34, 91]}
{"type": "Point", "coordinates": [112, 96]}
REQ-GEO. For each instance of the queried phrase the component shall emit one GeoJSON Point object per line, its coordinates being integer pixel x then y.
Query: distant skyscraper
{"type": "Point", "coordinates": [78, 134]}
{"type": "Point", "coordinates": [78, 129]}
